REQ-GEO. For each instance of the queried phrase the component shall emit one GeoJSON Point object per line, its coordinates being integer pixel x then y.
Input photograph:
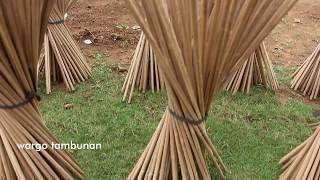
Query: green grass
{"type": "Point", "coordinates": [284, 74]}
{"type": "Point", "coordinates": [252, 132]}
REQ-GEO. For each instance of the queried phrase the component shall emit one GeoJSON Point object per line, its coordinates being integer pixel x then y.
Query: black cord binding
{"type": "Point", "coordinates": [28, 99]}
{"type": "Point", "coordinates": [186, 119]}
{"type": "Point", "coordinates": [61, 21]}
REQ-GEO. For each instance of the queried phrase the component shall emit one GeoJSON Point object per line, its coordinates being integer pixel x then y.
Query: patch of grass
{"type": "Point", "coordinates": [283, 74]}
{"type": "Point", "coordinates": [252, 132]}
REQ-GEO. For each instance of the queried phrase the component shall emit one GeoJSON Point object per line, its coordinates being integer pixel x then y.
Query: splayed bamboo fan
{"type": "Point", "coordinates": [144, 72]}
{"type": "Point", "coordinates": [303, 161]}
{"type": "Point", "coordinates": [62, 59]}
{"type": "Point", "coordinates": [307, 77]}
{"type": "Point", "coordinates": [257, 70]}
{"type": "Point", "coordinates": [23, 24]}
{"type": "Point", "coordinates": [199, 45]}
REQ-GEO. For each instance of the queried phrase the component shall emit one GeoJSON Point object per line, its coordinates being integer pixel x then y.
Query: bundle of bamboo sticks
{"type": "Point", "coordinates": [200, 44]}
{"type": "Point", "coordinates": [303, 162]}
{"type": "Point", "coordinates": [23, 24]}
{"type": "Point", "coordinates": [257, 70]}
{"type": "Point", "coordinates": [307, 77]}
{"type": "Point", "coordinates": [144, 72]}
{"type": "Point", "coordinates": [62, 59]}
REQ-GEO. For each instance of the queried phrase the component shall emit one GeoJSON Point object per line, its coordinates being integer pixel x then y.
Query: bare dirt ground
{"type": "Point", "coordinates": [108, 24]}
{"type": "Point", "coordinates": [111, 28]}
{"type": "Point", "coordinates": [295, 38]}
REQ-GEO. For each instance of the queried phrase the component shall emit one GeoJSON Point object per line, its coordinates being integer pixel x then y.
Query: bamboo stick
{"type": "Point", "coordinates": [303, 161]}
{"type": "Point", "coordinates": [257, 70]}
{"type": "Point", "coordinates": [23, 25]}
{"type": "Point", "coordinates": [306, 78]}
{"type": "Point", "coordinates": [61, 51]}
{"type": "Point", "coordinates": [143, 72]}
{"type": "Point", "coordinates": [199, 45]}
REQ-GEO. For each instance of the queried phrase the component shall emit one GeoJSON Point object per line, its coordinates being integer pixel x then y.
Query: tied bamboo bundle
{"type": "Point", "coordinates": [23, 24]}
{"type": "Point", "coordinates": [257, 70]}
{"type": "Point", "coordinates": [303, 162]}
{"type": "Point", "coordinates": [144, 72]}
{"type": "Point", "coordinates": [62, 59]}
{"type": "Point", "coordinates": [307, 77]}
{"type": "Point", "coordinates": [199, 44]}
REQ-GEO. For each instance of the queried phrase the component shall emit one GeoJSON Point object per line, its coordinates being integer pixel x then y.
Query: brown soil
{"type": "Point", "coordinates": [108, 24]}
{"type": "Point", "coordinates": [297, 35]}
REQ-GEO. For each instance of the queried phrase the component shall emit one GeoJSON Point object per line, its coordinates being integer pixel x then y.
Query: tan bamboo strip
{"type": "Point", "coordinates": [314, 125]}
{"type": "Point", "coordinates": [306, 78]}
{"type": "Point", "coordinates": [257, 70]}
{"type": "Point", "coordinates": [199, 45]}
{"type": "Point", "coordinates": [143, 72]}
{"type": "Point", "coordinates": [23, 25]}
{"type": "Point", "coordinates": [62, 59]}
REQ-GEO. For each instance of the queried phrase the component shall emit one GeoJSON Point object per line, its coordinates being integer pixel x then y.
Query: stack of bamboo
{"type": "Point", "coordinates": [257, 70]}
{"type": "Point", "coordinates": [62, 59]}
{"type": "Point", "coordinates": [303, 162]}
{"type": "Point", "coordinates": [307, 77]}
{"type": "Point", "coordinates": [200, 44]}
{"type": "Point", "coordinates": [23, 24]}
{"type": "Point", "coordinates": [144, 72]}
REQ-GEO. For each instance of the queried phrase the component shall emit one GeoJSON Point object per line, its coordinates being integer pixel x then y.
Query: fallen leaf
{"type": "Point", "coordinates": [122, 68]}
{"type": "Point", "coordinates": [297, 20]}
{"type": "Point", "coordinates": [87, 41]}
{"type": "Point", "coordinates": [136, 27]}
{"type": "Point", "coordinates": [68, 106]}
{"type": "Point", "coordinates": [116, 36]}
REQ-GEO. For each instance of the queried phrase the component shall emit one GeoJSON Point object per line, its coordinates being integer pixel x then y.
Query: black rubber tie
{"type": "Point", "coordinates": [61, 21]}
{"type": "Point", "coordinates": [186, 119]}
{"type": "Point", "coordinates": [28, 99]}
